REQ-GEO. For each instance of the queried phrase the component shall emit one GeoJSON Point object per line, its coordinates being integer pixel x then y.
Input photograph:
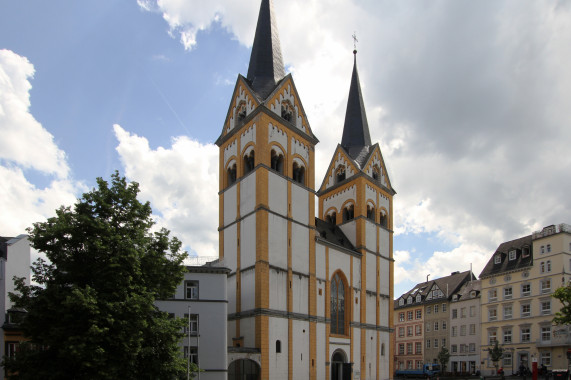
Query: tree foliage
{"type": "Point", "coordinates": [443, 357]}
{"type": "Point", "coordinates": [91, 313]}
{"type": "Point", "coordinates": [563, 294]}
{"type": "Point", "coordinates": [496, 353]}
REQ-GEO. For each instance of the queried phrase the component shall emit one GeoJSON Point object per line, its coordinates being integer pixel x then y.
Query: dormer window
{"type": "Point", "coordinates": [340, 174]}
{"type": "Point", "coordinates": [418, 298]}
{"type": "Point", "coordinates": [287, 111]}
{"type": "Point", "coordinates": [525, 252]}
{"type": "Point", "coordinates": [277, 161]}
{"type": "Point", "coordinates": [497, 259]}
{"type": "Point", "coordinates": [401, 303]}
{"type": "Point", "coordinates": [409, 300]}
{"type": "Point", "coordinates": [473, 294]}
{"type": "Point", "coordinates": [511, 255]}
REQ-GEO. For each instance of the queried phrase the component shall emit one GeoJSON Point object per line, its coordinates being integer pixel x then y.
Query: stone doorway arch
{"type": "Point", "coordinates": [340, 368]}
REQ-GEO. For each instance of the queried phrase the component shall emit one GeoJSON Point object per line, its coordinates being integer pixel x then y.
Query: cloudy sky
{"type": "Point", "coordinates": [469, 100]}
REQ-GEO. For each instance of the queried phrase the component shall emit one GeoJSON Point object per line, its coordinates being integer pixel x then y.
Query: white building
{"type": "Point", "coordinates": [14, 261]}
{"type": "Point", "coordinates": [309, 297]}
{"type": "Point", "coordinates": [465, 329]}
{"type": "Point", "coordinates": [203, 293]}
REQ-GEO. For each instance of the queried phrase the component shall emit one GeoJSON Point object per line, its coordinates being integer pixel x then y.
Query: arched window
{"type": "Point", "coordinates": [371, 212]}
{"type": "Point", "coordinates": [376, 173]}
{"type": "Point", "coordinates": [231, 174]}
{"type": "Point", "coordinates": [384, 220]}
{"type": "Point", "coordinates": [337, 305]}
{"type": "Point", "coordinates": [348, 212]}
{"type": "Point", "coordinates": [249, 160]}
{"type": "Point", "coordinates": [241, 111]}
{"type": "Point", "coordinates": [298, 173]}
{"type": "Point", "coordinates": [287, 111]}
{"type": "Point", "coordinates": [277, 161]}
{"type": "Point", "coordinates": [331, 218]}
{"type": "Point", "coordinates": [340, 174]}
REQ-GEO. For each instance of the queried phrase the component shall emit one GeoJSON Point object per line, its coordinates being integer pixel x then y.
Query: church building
{"type": "Point", "coordinates": [309, 296]}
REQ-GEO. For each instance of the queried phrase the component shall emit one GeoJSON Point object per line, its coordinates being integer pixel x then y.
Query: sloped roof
{"type": "Point", "coordinates": [464, 292]}
{"type": "Point", "coordinates": [448, 285]}
{"type": "Point", "coordinates": [333, 234]}
{"type": "Point", "coordinates": [356, 136]}
{"type": "Point", "coordinates": [507, 265]}
{"type": "Point", "coordinates": [266, 67]}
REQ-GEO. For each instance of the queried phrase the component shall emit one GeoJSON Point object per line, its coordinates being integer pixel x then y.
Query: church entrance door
{"type": "Point", "coordinates": [340, 369]}
{"type": "Point", "coordinates": [243, 369]}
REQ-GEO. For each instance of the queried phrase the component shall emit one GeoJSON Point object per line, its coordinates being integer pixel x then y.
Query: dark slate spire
{"type": "Point", "coordinates": [266, 64]}
{"type": "Point", "coordinates": [356, 136]}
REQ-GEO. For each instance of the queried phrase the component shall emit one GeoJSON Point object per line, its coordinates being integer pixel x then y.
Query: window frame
{"type": "Point", "coordinates": [190, 285]}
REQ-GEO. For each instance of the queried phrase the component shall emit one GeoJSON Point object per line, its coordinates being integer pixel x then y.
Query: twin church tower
{"type": "Point", "coordinates": [308, 297]}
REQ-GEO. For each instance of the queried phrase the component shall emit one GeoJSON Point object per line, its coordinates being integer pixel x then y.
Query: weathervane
{"type": "Point", "coordinates": [355, 40]}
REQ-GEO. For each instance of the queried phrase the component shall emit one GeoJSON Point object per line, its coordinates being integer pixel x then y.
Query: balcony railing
{"type": "Point", "coordinates": [551, 230]}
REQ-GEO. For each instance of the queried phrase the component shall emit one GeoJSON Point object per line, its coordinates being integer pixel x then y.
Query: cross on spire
{"type": "Point", "coordinates": [355, 40]}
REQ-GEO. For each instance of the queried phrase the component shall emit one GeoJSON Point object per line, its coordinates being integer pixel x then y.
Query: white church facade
{"type": "Point", "coordinates": [309, 296]}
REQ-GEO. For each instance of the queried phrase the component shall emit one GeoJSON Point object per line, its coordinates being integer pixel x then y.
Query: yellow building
{"type": "Point", "coordinates": [308, 297]}
{"type": "Point", "coordinates": [516, 304]}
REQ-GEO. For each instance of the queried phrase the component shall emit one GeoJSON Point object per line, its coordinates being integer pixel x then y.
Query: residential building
{"type": "Point", "coordinates": [201, 300]}
{"type": "Point", "coordinates": [308, 297]}
{"type": "Point", "coordinates": [465, 329]}
{"type": "Point", "coordinates": [14, 261]}
{"type": "Point", "coordinates": [432, 299]}
{"type": "Point", "coordinates": [409, 333]}
{"type": "Point", "coordinates": [517, 308]}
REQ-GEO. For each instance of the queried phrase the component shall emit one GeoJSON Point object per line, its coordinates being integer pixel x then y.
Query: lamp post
{"type": "Point", "coordinates": [188, 349]}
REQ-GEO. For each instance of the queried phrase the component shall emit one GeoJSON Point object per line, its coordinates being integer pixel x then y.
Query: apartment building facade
{"type": "Point", "coordinates": [516, 304]}
{"type": "Point", "coordinates": [409, 322]}
{"type": "Point", "coordinates": [422, 320]}
{"type": "Point", "coordinates": [465, 329]}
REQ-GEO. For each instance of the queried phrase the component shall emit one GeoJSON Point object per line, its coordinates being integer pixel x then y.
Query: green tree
{"type": "Point", "coordinates": [91, 311]}
{"type": "Point", "coordinates": [563, 294]}
{"type": "Point", "coordinates": [496, 353]}
{"type": "Point", "coordinates": [443, 357]}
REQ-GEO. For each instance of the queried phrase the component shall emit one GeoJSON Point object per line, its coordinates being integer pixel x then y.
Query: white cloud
{"type": "Point", "coordinates": [469, 101]}
{"type": "Point", "coordinates": [26, 145]}
{"type": "Point", "coordinates": [24, 141]}
{"type": "Point", "coordinates": [181, 182]}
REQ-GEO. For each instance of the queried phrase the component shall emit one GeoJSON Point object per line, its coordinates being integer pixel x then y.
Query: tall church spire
{"type": "Point", "coordinates": [266, 64]}
{"type": "Point", "coordinates": [356, 136]}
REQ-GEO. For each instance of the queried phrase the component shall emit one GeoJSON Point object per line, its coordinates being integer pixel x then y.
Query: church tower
{"type": "Point", "coordinates": [356, 195]}
{"type": "Point", "coordinates": [308, 297]}
{"type": "Point", "coordinates": [267, 217]}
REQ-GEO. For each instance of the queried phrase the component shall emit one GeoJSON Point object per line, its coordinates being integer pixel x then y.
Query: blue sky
{"type": "Point", "coordinates": [469, 101]}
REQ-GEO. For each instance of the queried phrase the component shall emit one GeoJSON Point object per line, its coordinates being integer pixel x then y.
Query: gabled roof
{"type": "Point", "coordinates": [356, 137]}
{"type": "Point", "coordinates": [506, 265]}
{"type": "Point", "coordinates": [448, 285]}
{"type": "Point", "coordinates": [266, 67]}
{"type": "Point", "coordinates": [464, 292]}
